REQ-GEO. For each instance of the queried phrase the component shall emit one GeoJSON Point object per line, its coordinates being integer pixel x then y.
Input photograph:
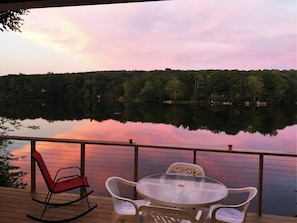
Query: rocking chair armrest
{"type": "Point", "coordinates": [66, 177]}
{"type": "Point", "coordinates": [66, 168]}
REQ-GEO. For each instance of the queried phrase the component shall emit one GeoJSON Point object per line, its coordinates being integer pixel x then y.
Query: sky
{"type": "Point", "coordinates": [176, 34]}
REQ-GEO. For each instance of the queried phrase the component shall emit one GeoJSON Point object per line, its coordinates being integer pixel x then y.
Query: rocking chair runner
{"type": "Point", "coordinates": [59, 185]}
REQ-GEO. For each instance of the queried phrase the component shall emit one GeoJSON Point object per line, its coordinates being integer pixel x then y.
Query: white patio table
{"type": "Point", "coordinates": [181, 191]}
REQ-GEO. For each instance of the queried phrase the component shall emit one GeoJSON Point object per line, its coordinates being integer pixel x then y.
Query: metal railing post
{"type": "Point", "coordinates": [135, 168]}
{"type": "Point", "coordinates": [33, 168]}
{"type": "Point", "coordinates": [260, 186]}
{"type": "Point", "coordinates": [82, 163]}
{"type": "Point", "coordinates": [194, 157]}
{"type": "Point", "coordinates": [136, 163]}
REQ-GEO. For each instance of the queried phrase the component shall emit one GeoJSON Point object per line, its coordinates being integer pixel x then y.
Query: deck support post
{"type": "Point", "coordinates": [260, 186]}
{"type": "Point", "coordinates": [136, 150]}
{"type": "Point", "coordinates": [33, 168]}
{"type": "Point", "coordinates": [194, 157]}
{"type": "Point", "coordinates": [82, 163]}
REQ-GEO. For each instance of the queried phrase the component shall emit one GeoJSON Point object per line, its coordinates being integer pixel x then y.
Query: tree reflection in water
{"type": "Point", "coordinates": [266, 120]}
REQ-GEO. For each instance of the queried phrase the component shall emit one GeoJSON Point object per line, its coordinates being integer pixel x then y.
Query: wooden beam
{"type": "Point", "coordinates": [29, 4]}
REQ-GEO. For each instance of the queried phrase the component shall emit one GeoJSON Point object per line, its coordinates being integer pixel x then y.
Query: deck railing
{"type": "Point", "coordinates": [137, 146]}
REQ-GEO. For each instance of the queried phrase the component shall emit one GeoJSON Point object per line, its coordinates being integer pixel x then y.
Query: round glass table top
{"type": "Point", "coordinates": [181, 190]}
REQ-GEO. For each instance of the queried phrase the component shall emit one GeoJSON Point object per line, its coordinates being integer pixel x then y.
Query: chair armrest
{"type": "Point", "coordinates": [235, 190]}
{"type": "Point", "coordinates": [67, 168]}
{"type": "Point", "coordinates": [57, 180]}
{"type": "Point", "coordinates": [129, 183]}
{"type": "Point", "coordinates": [66, 177]}
{"type": "Point", "coordinates": [126, 200]}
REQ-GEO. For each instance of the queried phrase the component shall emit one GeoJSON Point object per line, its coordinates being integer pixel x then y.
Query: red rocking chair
{"type": "Point", "coordinates": [59, 185]}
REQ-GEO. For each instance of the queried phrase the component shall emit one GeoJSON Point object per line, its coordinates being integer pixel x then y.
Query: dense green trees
{"type": "Point", "coordinates": [12, 19]}
{"type": "Point", "coordinates": [175, 89]}
{"type": "Point", "coordinates": [198, 87]}
{"type": "Point", "coordinates": [10, 175]}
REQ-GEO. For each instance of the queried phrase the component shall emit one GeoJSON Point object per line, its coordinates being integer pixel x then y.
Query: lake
{"type": "Point", "coordinates": [236, 171]}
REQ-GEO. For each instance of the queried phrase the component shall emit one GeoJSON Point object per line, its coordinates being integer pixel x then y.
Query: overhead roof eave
{"type": "Point", "coordinates": [29, 4]}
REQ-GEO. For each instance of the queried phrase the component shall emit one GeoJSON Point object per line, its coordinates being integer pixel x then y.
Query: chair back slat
{"type": "Point", "coordinates": [186, 169]}
{"type": "Point", "coordinates": [43, 169]}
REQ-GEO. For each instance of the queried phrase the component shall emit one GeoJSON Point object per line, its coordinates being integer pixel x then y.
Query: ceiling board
{"type": "Point", "coordinates": [25, 4]}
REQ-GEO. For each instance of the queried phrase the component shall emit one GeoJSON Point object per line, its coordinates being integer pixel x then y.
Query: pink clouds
{"type": "Point", "coordinates": [233, 34]}
{"type": "Point", "coordinates": [188, 40]}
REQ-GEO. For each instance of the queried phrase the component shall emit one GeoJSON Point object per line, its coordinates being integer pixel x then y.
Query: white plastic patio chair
{"type": "Point", "coordinates": [162, 214]}
{"type": "Point", "coordinates": [124, 208]}
{"type": "Point", "coordinates": [232, 213]}
{"type": "Point", "coordinates": [186, 169]}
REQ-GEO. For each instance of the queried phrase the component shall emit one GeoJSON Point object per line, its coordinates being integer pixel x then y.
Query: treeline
{"type": "Point", "coordinates": [190, 86]}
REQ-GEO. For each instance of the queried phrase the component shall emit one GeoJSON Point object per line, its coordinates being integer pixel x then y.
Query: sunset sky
{"type": "Point", "coordinates": [176, 34]}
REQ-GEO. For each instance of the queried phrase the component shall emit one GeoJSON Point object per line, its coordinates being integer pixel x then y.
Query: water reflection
{"type": "Point", "coordinates": [151, 133]}
{"type": "Point", "coordinates": [228, 119]}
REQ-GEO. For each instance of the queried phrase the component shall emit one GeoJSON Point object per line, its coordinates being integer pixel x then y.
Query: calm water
{"type": "Point", "coordinates": [279, 185]}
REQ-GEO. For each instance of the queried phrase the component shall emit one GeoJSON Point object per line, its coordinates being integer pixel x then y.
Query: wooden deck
{"type": "Point", "coordinates": [17, 203]}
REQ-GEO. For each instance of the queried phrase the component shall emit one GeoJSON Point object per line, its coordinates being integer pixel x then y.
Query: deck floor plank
{"type": "Point", "coordinates": [17, 203]}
